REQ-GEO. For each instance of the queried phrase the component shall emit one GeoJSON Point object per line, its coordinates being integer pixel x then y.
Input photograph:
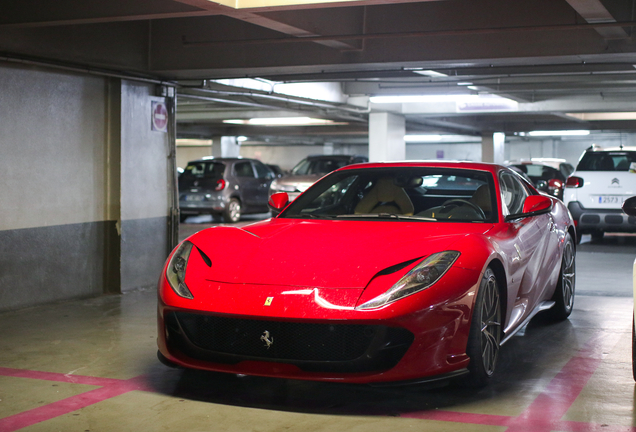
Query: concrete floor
{"type": "Point", "coordinates": [90, 365]}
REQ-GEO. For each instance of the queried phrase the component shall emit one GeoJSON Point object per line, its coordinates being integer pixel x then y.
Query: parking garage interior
{"type": "Point", "coordinates": [102, 103]}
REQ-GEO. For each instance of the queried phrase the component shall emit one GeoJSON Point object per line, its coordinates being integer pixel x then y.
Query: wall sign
{"type": "Point", "coordinates": [159, 117]}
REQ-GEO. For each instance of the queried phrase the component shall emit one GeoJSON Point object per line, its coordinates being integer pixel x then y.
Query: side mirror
{"type": "Point", "coordinates": [278, 201]}
{"type": "Point", "coordinates": [629, 206]}
{"type": "Point", "coordinates": [533, 205]}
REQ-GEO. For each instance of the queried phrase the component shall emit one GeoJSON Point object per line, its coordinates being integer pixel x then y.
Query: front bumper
{"type": "Point", "coordinates": [404, 342]}
{"type": "Point", "coordinates": [311, 347]}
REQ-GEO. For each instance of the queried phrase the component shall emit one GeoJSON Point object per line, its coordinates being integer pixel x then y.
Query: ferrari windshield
{"type": "Point", "coordinates": [402, 193]}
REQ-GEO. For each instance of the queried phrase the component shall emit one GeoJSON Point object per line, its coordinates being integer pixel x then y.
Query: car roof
{"type": "Point", "coordinates": [220, 159]}
{"type": "Point", "coordinates": [596, 148]}
{"type": "Point", "coordinates": [475, 166]}
{"type": "Point", "coordinates": [338, 156]}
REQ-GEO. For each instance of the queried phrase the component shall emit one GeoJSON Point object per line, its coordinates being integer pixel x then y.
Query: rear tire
{"type": "Point", "coordinates": [232, 211]}
{"type": "Point", "coordinates": [485, 331]}
{"type": "Point", "coordinates": [564, 293]}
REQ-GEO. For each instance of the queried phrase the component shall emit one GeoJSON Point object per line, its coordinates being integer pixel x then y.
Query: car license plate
{"type": "Point", "coordinates": [608, 199]}
{"type": "Point", "coordinates": [194, 198]}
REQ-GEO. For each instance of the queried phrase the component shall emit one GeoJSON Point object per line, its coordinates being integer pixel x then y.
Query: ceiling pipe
{"type": "Point", "coordinates": [283, 98]}
{"type": "Point", "coordinates": [348, 37]}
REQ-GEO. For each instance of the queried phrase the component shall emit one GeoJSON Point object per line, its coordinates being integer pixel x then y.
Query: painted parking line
{"type": "Point", "coordinates": [110, 388]}
{"type": "Point", "coordinates": [544, 414]}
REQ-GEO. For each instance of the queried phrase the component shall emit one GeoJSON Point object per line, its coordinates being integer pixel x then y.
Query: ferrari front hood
{"type": "Point", "coordinates": [321, 254]}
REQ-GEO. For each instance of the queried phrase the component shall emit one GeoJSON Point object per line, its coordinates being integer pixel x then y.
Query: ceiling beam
{"type": "Point", "coordinates": [595, 12]}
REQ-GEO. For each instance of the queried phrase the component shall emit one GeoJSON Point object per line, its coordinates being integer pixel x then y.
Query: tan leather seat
{"type": "Point", "coordinates": [481, 198]}
{"type": "Point", "coordinates": [385, 197]}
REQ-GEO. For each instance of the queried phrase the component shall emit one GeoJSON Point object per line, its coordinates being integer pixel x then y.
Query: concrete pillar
{"type": "Point", "coordinates": [230, 146]}
{"type": "Point", "coordinates": [492, 147]}
{"type": "Point", "coordinates": [386, 137]}
{"type": "Point", "coordinates": [216, 146]}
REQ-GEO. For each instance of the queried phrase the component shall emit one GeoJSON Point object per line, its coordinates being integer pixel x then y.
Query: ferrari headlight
{"type": "Point", "coordinates": [176, 271]}
{"type": "Point", "coordinates": [419, 278]}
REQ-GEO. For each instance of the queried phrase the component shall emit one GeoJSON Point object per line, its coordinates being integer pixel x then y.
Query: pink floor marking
{"type": "Point", "coordinates": [543, 415]}
{"type": "Point", "coordinates": [110, 389]}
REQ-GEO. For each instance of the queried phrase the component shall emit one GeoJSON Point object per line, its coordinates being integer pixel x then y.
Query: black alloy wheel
{"type": "Point", "coordinates": [564, 293]}
{"type": "Point", "coordinates": [485, 331]}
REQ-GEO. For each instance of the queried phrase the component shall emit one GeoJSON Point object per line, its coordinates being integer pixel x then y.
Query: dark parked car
{"type": "Point", "coordinates": [228, 187]}
{"type": "Point", "coordinates": [310, 169]}
{"type": "Point", "coordinates": [548, 175]}
{"type": "Point", "coordinates": [278, 171]}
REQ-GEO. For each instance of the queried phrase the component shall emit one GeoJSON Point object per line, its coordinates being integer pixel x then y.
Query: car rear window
{"type": "Point", "coordinates": [204, 170]}
{"type": "Point", "coordinates": [539, 172]}
{"type": "Point", "coordinates": [606, 161]}
{"type": "Point", "coordinates": [319, 166]}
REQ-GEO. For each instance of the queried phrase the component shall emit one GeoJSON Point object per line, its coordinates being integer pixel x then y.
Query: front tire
{"type": "Point", "coordinates": [485, 331]}
{"type": "Point", "coordinates": [232, 211]}
{"type": "Point", "coordinates": [564, 294]}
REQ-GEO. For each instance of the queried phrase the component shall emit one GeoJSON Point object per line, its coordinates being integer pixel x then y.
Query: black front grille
{"type": "Point", "coordinates": [311, 346]}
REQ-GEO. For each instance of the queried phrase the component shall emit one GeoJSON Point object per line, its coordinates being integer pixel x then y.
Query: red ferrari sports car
{"type": "Point", "coordinates": [379, 272]}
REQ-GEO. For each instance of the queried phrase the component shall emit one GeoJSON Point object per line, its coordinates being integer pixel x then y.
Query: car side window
{"type": "Point", "coordinates": [513, 193]}
{"type": "Point", "coordinates": [243, 169]}
{"type": "Point", "coordinates": [262, 171]}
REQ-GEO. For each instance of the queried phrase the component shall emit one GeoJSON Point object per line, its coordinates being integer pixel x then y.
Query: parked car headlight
{"type": "Point", "coordinates": [419, 278]}
{"type": "Point", "coordinates": [176, 270]}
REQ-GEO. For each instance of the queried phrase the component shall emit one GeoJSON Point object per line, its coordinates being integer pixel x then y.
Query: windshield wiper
{"type": "Point", "coordinates": [312, 216]}
{"type": "Point", "coordinates": [387, 216]}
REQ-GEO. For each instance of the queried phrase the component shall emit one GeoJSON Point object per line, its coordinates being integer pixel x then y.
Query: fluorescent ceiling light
{"type": "Point", "coordinates": [422, 138]}
{"type": "Point", "coordinates": [440, 139]}
{"type": "Point", "coordinates": [596, 116]}
{"type": "Point", "coordinates": [464, 83]}
{"type": "Point", "coordinates": [419, 98]}
{"type": "Point", "coordinates": [559, 133]}
{"type": "Point", "coordinates": [463, 102]}
{"type": "Point", "coordinates": [430, 73]}
{"type": "Point", "coordinates": [282, 121]}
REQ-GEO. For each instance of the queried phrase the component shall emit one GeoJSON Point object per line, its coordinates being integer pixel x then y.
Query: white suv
{"type": "Point", "coordinates": [604, 178]}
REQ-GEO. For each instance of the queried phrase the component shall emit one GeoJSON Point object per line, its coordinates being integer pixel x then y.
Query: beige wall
{"type": "Point", "coordinates": [53, 143]}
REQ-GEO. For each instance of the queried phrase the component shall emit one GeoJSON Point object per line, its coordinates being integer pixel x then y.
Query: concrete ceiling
{"type": "Point", "coordinates": [552, 57]}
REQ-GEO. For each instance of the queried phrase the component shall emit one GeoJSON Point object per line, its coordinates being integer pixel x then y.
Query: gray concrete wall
{"type": "Point", "coordinates": [85, 199]}
{"type": "Point", "coordinates": [145, 189]}
{"type": "Point", "coordinates": [55, 218]}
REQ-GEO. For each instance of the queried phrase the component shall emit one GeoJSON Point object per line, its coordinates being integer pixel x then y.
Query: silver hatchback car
{"type": "Point", "coordinates": [309, 170]}
{"type": "Point", "coordinates": [229, 187]}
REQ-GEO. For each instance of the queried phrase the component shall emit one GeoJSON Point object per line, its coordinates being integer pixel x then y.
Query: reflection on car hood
{"type": "Point", "coordinates": [328, 254]}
